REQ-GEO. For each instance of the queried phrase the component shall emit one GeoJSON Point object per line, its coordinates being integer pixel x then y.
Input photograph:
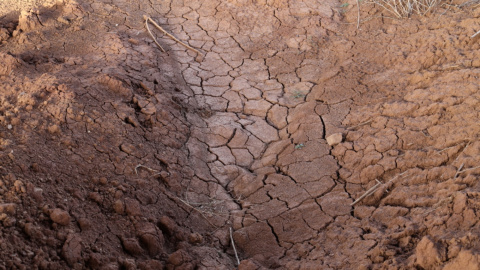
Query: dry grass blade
{"type": "Point", "coordinates": [475, 34]}
{"type": "Point", "coordinates": [375, 187]}
{"type": "Point", "coordinates": [405, 8]}
{"type": "Point", "coordinates": [145, 167]}
{"type": "Point", "coordinates": [469, 3]}
{"type": "Point", "coordinates": [458, 171]}
{"type": "Point", "coordinates": [469, 169]}
{"type": "Point", "coordinates": [367, 193]}
{"type": "Point", "coordinates": [358, 15]}
{"type": "Point", "coordinates": [361, 124]}
{"type": "Point", "coordinates": [233, 246]}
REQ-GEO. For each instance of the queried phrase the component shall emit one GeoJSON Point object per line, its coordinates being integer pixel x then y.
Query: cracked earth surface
{"type": "Point", "coordinates": [115, 155]}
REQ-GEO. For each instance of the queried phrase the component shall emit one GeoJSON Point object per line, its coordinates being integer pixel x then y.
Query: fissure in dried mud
{"type": "Point", "coordinates": [115, 155]}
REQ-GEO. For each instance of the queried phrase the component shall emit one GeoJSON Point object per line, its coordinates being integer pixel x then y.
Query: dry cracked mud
{"type": "Point", "coordinates": [115, 155]}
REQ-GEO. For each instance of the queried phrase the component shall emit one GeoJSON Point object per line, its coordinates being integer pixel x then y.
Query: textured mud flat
{"type": "Point", "coordinates": [115, 155]}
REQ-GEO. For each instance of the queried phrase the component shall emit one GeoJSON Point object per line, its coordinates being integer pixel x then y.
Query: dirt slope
{"type": "Point", "coordinates": [118, 156]}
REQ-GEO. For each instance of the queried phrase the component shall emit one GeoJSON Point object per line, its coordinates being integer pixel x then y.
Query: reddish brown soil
{"type": "Point", "coordinates": [115, 155]}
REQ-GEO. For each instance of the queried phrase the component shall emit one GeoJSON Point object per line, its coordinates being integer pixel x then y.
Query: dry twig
{"type": "Point", "coordinates": [367, 193]}
{"type": "Point", "coordinates": [153, 37]}
{"type": "Point", "coordinates": [469, 169]}
{"type": "Point", "coordinates": [147, 19]}
{"type": "Point", "coordinates": [361, 124]}
{"type": "Point", "coordinates": [463, 150]}
{"type": "Point", "coordinates": [374, 188]}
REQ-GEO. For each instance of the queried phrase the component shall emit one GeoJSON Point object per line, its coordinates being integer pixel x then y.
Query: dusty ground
{"type": "Point", "coordinates": [115, 155]}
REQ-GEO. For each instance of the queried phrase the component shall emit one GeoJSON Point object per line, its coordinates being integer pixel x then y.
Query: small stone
{"type": "Point", "coordinates": [60, 216]}
{"type": "Point", "coordinates": [334, 139]}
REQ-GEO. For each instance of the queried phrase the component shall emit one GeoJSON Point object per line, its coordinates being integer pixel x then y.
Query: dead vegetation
{"type": "Point", "coordinates": [405, 8]}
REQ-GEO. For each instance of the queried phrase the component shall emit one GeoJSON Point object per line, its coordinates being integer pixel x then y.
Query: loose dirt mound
{"type": "Point", "coordinates": [118, 156]}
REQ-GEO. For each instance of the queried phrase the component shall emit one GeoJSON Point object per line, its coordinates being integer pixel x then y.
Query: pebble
{"type": "Point", "coordinates": [334, 139]}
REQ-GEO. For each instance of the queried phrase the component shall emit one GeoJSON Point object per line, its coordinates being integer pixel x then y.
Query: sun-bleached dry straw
{"type": "Point", "coordinates": [474, 35]}
{"type": "Point", "coordinates": [233, 246]}
{"type": "Point", "coordinates": [367, 193]}
{"type": "Point", "coordinates": [374, 188]}
{"type": "Point", "coordinates": [358, 14]}
{"type": "Point", "coordinates": [458, 171]}
{"type": "Point", "coordinates": [361, 124]}
{"type": "Point", "coordinates": [404, 8]}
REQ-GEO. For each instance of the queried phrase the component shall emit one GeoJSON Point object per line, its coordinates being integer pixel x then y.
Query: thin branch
{"type": "Point", "coordinates": [374, 188]}
{"type": "Point", "coordinates": [169, 35]}
{"type": "Point", "coordinates": [361, 124]}
{"type": "Point", "coordinates": [469, 169]}
{"type": "Point", "coordinates": [151, 35]}
{"type": "Point", "coordinates": [367, 193]}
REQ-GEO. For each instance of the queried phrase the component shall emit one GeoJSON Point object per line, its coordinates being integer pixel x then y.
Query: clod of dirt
{"type": "Point", "coordinates": [4, 35]}
{"type": "Point", "coordinates": [27, 21]}
{"type": "Point", "coordinates": [60, 216]}
{"type": "Point", "coordinates": [72, 249]}
{"type": "Point", "coordinates": [8, 64]}
{"type": "Point", "coordinates": [132, 246]}
{"type": "Point", "coordinates": [429, 255]}
{"type": "Point", "coordinates": [8, 208]}
{"type": "Point", "coordinates": [466, 259]}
